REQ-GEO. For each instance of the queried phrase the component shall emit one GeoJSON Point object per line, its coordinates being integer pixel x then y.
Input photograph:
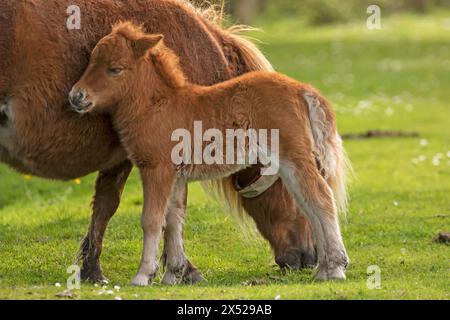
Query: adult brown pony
{"type": "Point", "coordinates": [40, 59]}
{"type": "Point", "coordinates": [138, 81]}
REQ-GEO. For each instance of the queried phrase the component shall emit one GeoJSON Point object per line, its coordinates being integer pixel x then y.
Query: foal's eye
{"type": "Point", "coordinates": [115, 71]}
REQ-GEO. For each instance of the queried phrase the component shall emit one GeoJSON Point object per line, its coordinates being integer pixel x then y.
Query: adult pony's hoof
{"type": "Point", "coordinates": [92, 274]}
{"type": "Point", "coordinates": [330, 274]}
{"type": "Point", "coordinates": [141, 280]}
{"type": "Point", "coordinates": [296, 260]}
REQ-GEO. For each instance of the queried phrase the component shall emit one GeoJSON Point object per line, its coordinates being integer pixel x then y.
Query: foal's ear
{"type": "Point", "coordinates": [144, 44]}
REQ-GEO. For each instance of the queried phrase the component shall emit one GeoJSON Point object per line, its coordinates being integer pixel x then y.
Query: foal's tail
{"type": "Point", "coordinates": [329, 151]}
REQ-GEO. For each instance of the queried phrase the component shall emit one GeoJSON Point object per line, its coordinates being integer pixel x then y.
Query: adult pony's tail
{"type": "Point", "coordinates": [240, 49]}
{"type": "Point", "coordinates": [329, 151]}
{"type": "Point", "coordinates": [251, 57]}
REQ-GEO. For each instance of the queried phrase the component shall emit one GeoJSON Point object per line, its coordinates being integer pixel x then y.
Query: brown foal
{"type": "Point", "coordinates": [137, 80]}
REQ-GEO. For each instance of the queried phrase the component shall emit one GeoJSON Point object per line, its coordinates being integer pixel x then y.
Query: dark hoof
{"type": "Point", "coordinates": [93, 275]}
{"type": "Point", "coordinates": [301, 259]}
{"type": "Point", "coordinates": [192, 275]}
{"type": "Point", "coordinates": [187, 275]}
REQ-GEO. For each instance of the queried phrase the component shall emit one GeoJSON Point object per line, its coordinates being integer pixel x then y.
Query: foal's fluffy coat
{"type": "Point", "coordinates": [136, 79]}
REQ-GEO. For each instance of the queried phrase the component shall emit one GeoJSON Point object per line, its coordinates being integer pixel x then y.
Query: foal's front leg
{"type": "Point", "coordinates": [158, 184]}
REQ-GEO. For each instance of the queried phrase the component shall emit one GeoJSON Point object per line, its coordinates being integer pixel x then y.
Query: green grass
{"type": "Point", "coordinates": [396, 78]}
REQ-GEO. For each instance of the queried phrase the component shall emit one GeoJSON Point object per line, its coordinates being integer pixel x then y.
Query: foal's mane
{"type": "Point", "coordinates": [166, 62]}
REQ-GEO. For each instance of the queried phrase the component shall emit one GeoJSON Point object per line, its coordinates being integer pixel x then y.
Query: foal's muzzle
{"type": "Point", "coordinates": [79, 101]}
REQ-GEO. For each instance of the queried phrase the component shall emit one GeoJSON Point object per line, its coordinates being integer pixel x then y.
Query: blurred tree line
{"type": "Point", "coordinates": [321, 11]}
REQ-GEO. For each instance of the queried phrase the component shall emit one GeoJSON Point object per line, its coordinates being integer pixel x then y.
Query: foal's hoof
{"type": "Point", "coordinates": [172, 278]}
{"type": "Point", "coordinates": [296, 260]}
{"type": "Point", "coordinates": [189, 276]}
{"type": "Point", "coordinates": [330, 274]}
{"type": "Point", "coordinates": [193, 277]}
{"type": "Point", "coordinates": [141, 280]}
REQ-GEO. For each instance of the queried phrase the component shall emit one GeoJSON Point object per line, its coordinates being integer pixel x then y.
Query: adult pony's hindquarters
{"type": "Point", "coordinates": [137, 80]}
{"type": "Point", "coordinates": [40, 59]}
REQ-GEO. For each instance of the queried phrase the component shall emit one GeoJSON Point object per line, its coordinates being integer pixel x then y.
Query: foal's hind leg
{"type": "Point", "coordinates": [158, 185]}
{"type": "Point", "coordinates": [314, 196]}
{"type": "Point", "coordinates": [177, 267]}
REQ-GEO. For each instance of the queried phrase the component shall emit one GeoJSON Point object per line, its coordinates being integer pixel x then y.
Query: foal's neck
{"type": "Point", "coordinates": [146, 95]}
{"type": "Point", "coordinates": [163, 75]}
{"type": "Point", "coordinates": [161, 85]}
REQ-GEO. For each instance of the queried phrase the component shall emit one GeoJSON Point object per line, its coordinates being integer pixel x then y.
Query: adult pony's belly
{"type": "Point", "coordinates": [59, 145]}
{"type": "Point", "coordinates": [66, 170]}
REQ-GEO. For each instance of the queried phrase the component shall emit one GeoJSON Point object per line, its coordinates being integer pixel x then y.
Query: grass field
{"type": "Point", "coordinates": [396, 78]}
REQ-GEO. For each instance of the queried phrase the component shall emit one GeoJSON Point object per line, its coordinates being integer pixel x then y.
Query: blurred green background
{"type": "Point", "coordinates": [318, 12]}
{"type": "Point", "coordinates": [394, 79]}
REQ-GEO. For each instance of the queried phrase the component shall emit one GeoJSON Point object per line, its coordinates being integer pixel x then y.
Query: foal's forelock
{"type": "Point", "coordinates": [165, 61]}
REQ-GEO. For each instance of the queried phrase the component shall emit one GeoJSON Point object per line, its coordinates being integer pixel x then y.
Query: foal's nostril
{"type": "Point", "coordinates": [81, 96]}
{"type": "Point", "coordinates": [77, 97]}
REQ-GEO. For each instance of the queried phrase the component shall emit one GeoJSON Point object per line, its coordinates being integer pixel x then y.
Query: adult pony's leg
{"type": "Point", "coordinates": [178, 269]}
{"type": "Point", "coordinates": [108, 190]}
{"type": "Point", "coordinates": [4, 155]}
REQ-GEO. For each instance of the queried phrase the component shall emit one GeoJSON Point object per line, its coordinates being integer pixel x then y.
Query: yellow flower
{"type": "Point", "coordinates": [27, 177]}
{"type": "Point", "coordinates": [77, 181]}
